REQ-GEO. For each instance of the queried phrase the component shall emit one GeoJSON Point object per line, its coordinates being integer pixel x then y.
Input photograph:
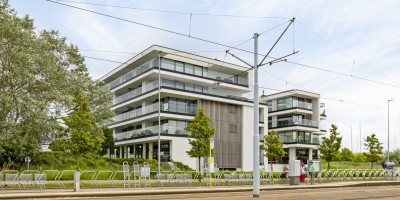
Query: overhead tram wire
{"type": "Point", "coordinates": [113, 61]}
{"type": "Point", "coordinates": [343, 53]}
{"type": "Point", "coordinates": [150, 26]}
{"type": "Point", "coordinates": [340, 73]}
{"type": "Point", "coordinates": [324, 95]}
{"type": "Point", "coordinates": [172, 12]}
{"type": "Point", "coordinates": [332, 99]}
{"type": "Point", "coordinates": [215, 43]}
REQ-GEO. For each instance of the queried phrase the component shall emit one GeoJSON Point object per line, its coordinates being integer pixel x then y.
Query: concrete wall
{"type": "Point", "coordinates": [247, 138]}
{"type": "Point", "coordinates": [178, 148]}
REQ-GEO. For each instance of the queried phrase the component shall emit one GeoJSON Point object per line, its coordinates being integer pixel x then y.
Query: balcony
{"type": "Point", "coordinates": [150, 131]}
{"type": "Point", "coordinates": [292, 122]}
{"type": "Point", "coordinates": [194, 70]}
{"type": "Point", "coordinates": [302, 105]}
{"type": "Point", "coordinates": [128, 95]}
{"type": "Point", "coordinates": [291, 140]}
{"type": "Point", "coordinates": [136, 113]}
{"type": "Point", "coordinates": [130, 75]}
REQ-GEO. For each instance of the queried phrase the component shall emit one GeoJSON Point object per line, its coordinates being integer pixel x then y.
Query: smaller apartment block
{"type": "Point", "coordinates": [297, 116]}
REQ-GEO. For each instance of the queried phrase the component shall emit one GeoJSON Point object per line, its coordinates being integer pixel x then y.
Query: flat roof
{"type": "Point", "coordinates": [169, 51]}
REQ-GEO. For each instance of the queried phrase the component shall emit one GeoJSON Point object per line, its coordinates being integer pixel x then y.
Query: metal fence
{"type": "Point", "coordinates": [140, 176]}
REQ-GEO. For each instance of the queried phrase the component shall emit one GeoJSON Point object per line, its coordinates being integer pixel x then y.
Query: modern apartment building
{"type": "Point", "coordinates": [297, 116]}
{"type": "Point", "coordinates": [186, 82]}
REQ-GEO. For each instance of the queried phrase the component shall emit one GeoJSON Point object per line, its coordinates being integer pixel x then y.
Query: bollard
{"type": "Point", "coordinates": [77, 181]}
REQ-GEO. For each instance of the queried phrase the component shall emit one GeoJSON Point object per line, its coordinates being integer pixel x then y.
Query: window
{"type": "Point", "coordinates": [232, 128]}
{"type": "Point", "coordinates": [181, 106]}
{"type": "Point", "coordinates": [198, 88]}
{"type": "Point", "coordinates": [205, 72]}
{"type": "Point", "coordinates": [172, 105]}
{"type": "Point", "coordinates": [168, 64]}
{"type": "Point", "coordinates": [189, 87]}
{"type": "Point", "coordinates": [179, 66]}
{"type": "Point", "coordinates": [168, 83]}
{"type": "Point", "coordinates": [198, 71]}
{"type": "Point", "coordinates": [269, 103]}
{"type": "Point", "coordinates": [232, 108]}
{"type": "Point", "coordinates": [205, 89]}
{"type": "Point", "coordinates": [189, 69]}
{"type": "Point", "coordinates": [315, 155]}
{"type": "Point", "coordinates": [178, 85]}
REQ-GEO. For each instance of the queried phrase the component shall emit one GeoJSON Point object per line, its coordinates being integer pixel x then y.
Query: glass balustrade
{"type": "Point", "coordinates": [152, 130]}
{"type": "Point", "coordinates": [292, 122]}
{"type": "Point", "coordinates": [136, 112]}
{"type": "Point", "coordinates": [130, 75]}
{"type": "Point", "coordinates": [128, 95]}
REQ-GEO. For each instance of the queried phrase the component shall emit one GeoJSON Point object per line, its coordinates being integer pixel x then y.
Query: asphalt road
{"type": "Point", "coordinates": [348, 193]}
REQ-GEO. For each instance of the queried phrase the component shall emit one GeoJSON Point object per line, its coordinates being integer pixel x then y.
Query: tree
{"type": "Point", "coordinates": [330, 146]}
{"type": "Point", "coordinates": [359, 157]}
{"type": "Point", "coordinates": [344, 155]}
{"type": "Point", "coordinates": [394, 156]}
{"type": "Point", "coordinates": [109, 141]}
{"type": "Point", "coordinates": [200, 135]}
{"type": "Point", "coordinates": [40, 74]}
{"type": "Point", "coordinates": [273, 147]}
{"type": "Point", "coordinates": [374, 148]}
{"type": "Point", "coordinates": [79, 136]}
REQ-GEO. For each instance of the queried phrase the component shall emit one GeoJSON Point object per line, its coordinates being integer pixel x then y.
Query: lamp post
{"type": "Point", "coordinates": [388, 131]}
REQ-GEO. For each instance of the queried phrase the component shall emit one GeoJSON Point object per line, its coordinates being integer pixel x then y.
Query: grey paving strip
{"type": "Point", "coordinates": [107, 192]}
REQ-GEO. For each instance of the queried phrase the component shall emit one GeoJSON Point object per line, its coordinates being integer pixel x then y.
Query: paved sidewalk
{"type": "Point", "coordinates": [103, 192]}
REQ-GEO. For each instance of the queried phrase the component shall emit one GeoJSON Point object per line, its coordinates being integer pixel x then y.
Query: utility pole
{"type": "Point", "coordinates": [256, 136]}
{"type": "Point", "coordinates": [360, 138]}
{"type": "Point", "coordinates": [159, 116]}
{"type": "Point", "coordinates": [351, 137]}
{"type": "Point", "coordinates": [388, 132]}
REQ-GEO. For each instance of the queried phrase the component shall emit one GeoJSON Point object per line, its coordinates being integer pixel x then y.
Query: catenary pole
{"type": "Point", "coordinates": [388, 159]}
{"type": "Point", "coordinates": [256, 137]}
{"type": "Point", "coordinates": [351, 138]}
{"type": "Point", "coordinates": [159, 113]}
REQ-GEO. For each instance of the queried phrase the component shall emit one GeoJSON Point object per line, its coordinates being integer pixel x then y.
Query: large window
{"type": "Point", "coordinates": [168, 64]}
{"type": "Point", "coordinates": [164, 151]}
{"type": "Point", "coordinates": [315, 155]}
{"type": "Point", "coordinates": [302, 154]}
{"type": "Point", "coordinates": [199, 71]}
{"type": "Point", "coordinates": [179, 105]}
{"type": "Point", "coordinates": [179, 67]}
{"type": "Point", "coordinates": [285, 103]}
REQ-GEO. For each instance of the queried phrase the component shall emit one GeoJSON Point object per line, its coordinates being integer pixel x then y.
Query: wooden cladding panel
{"type": "Point", "coordinates": [227, 140]}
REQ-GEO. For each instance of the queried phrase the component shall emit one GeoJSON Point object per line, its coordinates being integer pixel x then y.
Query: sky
{"type": "Point", "coordinates": [351, 38]}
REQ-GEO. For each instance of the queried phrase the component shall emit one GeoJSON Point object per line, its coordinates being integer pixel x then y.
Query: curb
{"type": "Point", "coordinates": [180, 191]}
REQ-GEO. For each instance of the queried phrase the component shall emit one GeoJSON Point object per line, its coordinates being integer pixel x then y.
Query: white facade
{"type": "Point", "coordinates": [298, 118]}
{"type": "Point", "coordinates": [187, 82]}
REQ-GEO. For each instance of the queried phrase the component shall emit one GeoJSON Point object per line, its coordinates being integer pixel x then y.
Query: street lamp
{"type": "Point", "coordinates": [388, 131]}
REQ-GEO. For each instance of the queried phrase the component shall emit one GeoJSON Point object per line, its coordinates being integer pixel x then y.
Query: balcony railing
{"type": "Point", "coordinates": [148, 131]}
{"type": "Point", "coordinates": [130, 75]}
{"type": "Point", "coordinates": [292, 122]}
{"type": "Point", "coordinates": [136, 113]}
{"type": "Point", "coordinates": [301, 140]}
{"type": "Point", "coordinates": [304, 105]}
{"type": "Point", "coordinates": [128, 95]}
